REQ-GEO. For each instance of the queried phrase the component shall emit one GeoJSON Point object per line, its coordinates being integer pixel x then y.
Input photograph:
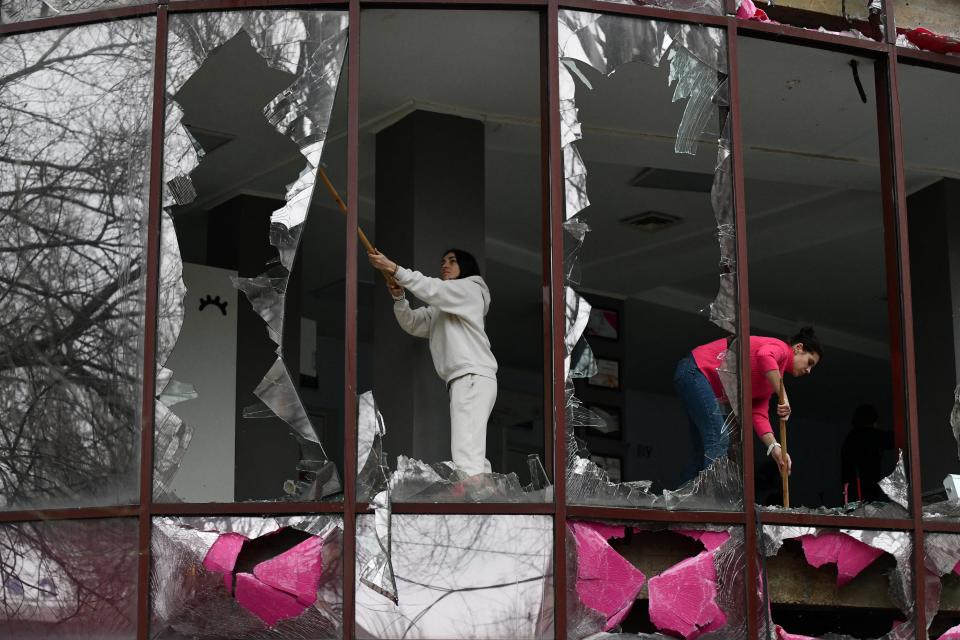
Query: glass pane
{"type": "Point", "coordinates": [647, 164]}
{"type": "Point", "coordinates": [68, 579]}
{"type": "Point", "coordinates": [818, 282]}
{"type": "Point", "coordinates": [250, 389]}
{"type": "Point", "coordinates": [627, 578]}
{"type": "Point", "coordinates": [457, 576]}
{"type": "Point", "coordinates": [930, 25]}
{"type": "Point", "coordinates": [245, 578]}
{"type": "Point", "coordinates": [849, 582]}
{"type": "Point", "coordinates": [75, 125]}
{"type": "Point", "coordinates": [450, 158]}
{"type": "Point", "coordinates": [20, 10]}
{"type": "Point", "coordinates": [861, 19]}
{"type": "Point", "coordinates": [711, 7]}
{"type": "Point", "coordinates": [932, 172]}
{"type": "Point", "coordinates": [942, 584]}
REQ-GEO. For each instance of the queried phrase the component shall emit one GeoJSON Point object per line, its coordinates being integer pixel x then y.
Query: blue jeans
{"type": "Point", "coordinates": [708, 437]}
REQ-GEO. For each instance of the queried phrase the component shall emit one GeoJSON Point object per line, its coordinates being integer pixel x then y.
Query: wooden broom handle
{"type": "Point", "coordinates": [784, 474]}
{"type": "Point", "coordinates": [363, 237]}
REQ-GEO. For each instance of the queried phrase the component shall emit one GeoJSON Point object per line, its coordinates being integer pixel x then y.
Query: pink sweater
{"type": "Point", "coordinates": [766, 354]}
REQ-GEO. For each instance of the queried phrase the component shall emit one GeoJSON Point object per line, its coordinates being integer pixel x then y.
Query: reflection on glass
{"type": "Point", "coordinates": [74, 120]}
{"type": "Point", "coordinates": [630, 578]}
{"type": "Point", "coordinates": [932, 174]}
{"type": "Point", "coordinates": [20, 10]}
{"type": "Point", "coordinates": [711, 7]}
{"type": "Point", "coordinates": [849, 582]}
{"type": "Point", "coordinates": [68, 579]}
{"type": "Point", "coordinates": [245, 578]}
{"type": "Point", "coordinates": [817, 259]}
{"type": "Point", "coordinates": [460, 576]}
{"type": "Point", "coordinates": [244, 411]}
{"type": "Point", "coordinates": [648, 176]}
{"type": "Point", "coordinates": [453, 354]}
{"type": "Point", "coordinates": [853, 18]}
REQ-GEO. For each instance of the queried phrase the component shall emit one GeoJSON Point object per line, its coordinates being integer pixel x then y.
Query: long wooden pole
{"type": "Point", "coordinates": [784, 471]}
{"type": "Point", "coordinates": [343, 207]}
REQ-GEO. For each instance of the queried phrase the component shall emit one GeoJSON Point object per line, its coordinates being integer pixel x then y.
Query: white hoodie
{"type": "Point", "coordinates": [453, 321]}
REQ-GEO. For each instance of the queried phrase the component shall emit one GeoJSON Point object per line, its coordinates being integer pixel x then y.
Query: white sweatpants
{"type": "Point", "coordinates": [471, 401]}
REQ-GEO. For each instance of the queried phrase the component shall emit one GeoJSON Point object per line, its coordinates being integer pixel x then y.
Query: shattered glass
{"type": "Point", "coordinates": [73, 203]}
{"type": "Point", "coordinates": [703, 595]}
{"type": "Point", "coordinates": [710, 7]}
{"type": "Point", "coordinates": [852, 551]}
{"type": "Point", "coordinates": [304, 52]}
{"type": "Point", "coordinates": [247, 577]}
{"type": "Point", "coordinates": [696, 57]}
{"type": "Point", "coordinates": [459, 576]}
{"type": "Point", "coordinates": [20, 10]}
{"type": "Point", "coordinates": [68, 579]}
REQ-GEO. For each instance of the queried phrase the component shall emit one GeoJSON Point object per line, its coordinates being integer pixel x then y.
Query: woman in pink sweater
{"type": "Point", "coordinates": [697, 382]}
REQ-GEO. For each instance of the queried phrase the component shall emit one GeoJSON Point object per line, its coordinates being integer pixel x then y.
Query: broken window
{"type": "Point", "coordinates": [455, 576]}
{"type": "Point", "coordinates": [250, 352]}
{"type": "Point", "coordinates": [650, 266]}
{"type": "Point", "coordinates": [247, 577]}
{"type": "Point", "coordinates": [711, 7]}
{"type": "Point", "coordinates": [75, 124]}
{"type": "Point", "coordinates": [942, 584]}
{"type": "Point", "coordinates": [818, 280]}
{"type": "Point", "coordinates": [20, 10]}
{"type": "Point", "coordinates": [68, 579]}
{"type": "Point", "coordinates": [853, 18]}
{"type": "Point", "coordinates": [681, 580]}
{"type": "Point", "coordinates": [932, 176]}
{"type": "Point", "coordinates": [849, 583]}
{"type": "Point", "coordinates": [450, 190]}
{"type": "Point", "coordinates": [928, 25]}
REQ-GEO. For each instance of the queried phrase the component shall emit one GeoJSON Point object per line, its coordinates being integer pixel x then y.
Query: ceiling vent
{"type": "Point", "coordinates": [651, 221]}
{"type": "Point", "coordinates": [653, 178]}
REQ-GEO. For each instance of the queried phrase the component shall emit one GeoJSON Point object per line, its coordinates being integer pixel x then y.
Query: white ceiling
{"type": "Point", "coordinates": [811, 161]}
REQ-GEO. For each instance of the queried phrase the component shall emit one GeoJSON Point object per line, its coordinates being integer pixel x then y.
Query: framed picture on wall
{"type": "Point", "coordinates": [613, 465]}
{"type": "Point", "coordinates": [608, 374]}
{"type": "Point", "coordinates": [603, 323]}
{"type": "Point", "coordinates": [611, 417]}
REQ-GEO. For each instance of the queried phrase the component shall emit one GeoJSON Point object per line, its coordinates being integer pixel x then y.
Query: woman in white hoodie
{"type": "Point", "coordinates": [453, 320]}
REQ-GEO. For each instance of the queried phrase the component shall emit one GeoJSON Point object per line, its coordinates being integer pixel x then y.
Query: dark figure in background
{"type": "Point", "coordinates": [861, 457]}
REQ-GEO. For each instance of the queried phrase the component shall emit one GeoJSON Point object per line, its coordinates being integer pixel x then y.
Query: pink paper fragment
{"type": "Point", "coordinates": [269, 604]}
{"type": "Point", "coordinates": [956, 568]}
{"type": "Point", "coordinates": [606, 581]}
{"type": "Point", "coordinates": [709, 539]}
{"type": "Point", "coordinates": [953, 633]}
{"type": "Point", "coordinates": [783, 635]}
{"type": "Point", "coordinates": [850, 555]}
{"type": "Point", "coordinates": [223, 554]}
{"type": "Point", "coordinates": [749, 11]}
{"type": "Point", "coordinates": [297, 571]}
{"type": "Point", "coordinates": [683, 599]}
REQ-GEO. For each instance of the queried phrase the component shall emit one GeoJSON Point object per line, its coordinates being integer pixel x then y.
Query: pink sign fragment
{"type": "Point", "coordinates": [606, 581]}
{"type": "Point", "coordinates": [930, 41]}
{"type": "Point", "coordinates": [709, 539]}
{"type": "Point", "coordinates": [296, 572]}
{"type": "Point", "coordinates": [953, 633]}
{"type": "Point", "coordinates": [269, 604]}
{"type": "Point", "coordinates": [849, 554]}
{"type": "Point", "coordinates": [222, 556]}
{"type": "Point", "coordinates": [683, 599]}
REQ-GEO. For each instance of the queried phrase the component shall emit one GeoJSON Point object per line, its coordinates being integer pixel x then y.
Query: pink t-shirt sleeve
{"type": "Point", "coordinates": [771, 357]}
{"type": "Point", "coordinates": [761, 416]}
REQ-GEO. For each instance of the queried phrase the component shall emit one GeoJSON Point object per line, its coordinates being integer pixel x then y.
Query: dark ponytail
{"type": "Point", "coordinates": [467, 263]}
{"type": "Point", "coordinates": [808, 337]}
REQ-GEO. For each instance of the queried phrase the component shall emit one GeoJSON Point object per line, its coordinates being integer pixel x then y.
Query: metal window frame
{"type": "Point", "coordinates": [887, 57]}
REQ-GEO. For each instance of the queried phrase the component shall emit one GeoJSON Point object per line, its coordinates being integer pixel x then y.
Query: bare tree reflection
{"type": "Point", "coordinates": [74, 116]}
{"type": "Point", "coordinates": [461, 577]}
{"type": "Point", "coordinates": [68, 576]}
